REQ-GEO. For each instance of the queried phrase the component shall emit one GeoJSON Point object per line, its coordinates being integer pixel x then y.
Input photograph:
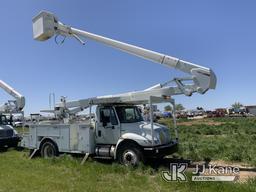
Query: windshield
{"type": "Point", "coordinates": [128, 114]}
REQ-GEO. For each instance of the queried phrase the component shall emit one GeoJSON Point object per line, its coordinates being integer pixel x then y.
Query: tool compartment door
{"type": "Point", "coordinates": [86, 139]}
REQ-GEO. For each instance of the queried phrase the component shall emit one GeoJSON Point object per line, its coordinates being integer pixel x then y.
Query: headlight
{"type": "Point", "coordinates": [157, 139]}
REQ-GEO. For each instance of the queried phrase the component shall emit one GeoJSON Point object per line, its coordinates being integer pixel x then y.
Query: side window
{"type": "Point", "coordinates": [107, 115]}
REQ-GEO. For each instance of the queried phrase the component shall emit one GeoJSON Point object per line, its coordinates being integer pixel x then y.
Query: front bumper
{"type": "Point", "coordinates": [10, 141]}
{"type": "Point", "coordinates": [161, 150]}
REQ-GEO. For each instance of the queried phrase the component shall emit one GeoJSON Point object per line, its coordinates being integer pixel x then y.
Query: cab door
{"type": "Point", "coordinates": [108, 127]}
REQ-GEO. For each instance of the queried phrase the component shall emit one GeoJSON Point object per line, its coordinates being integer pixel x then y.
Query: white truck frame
{"type": "Point", "coordinates": [134, 141]}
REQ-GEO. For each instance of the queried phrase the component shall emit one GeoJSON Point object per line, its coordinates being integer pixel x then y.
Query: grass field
{"type": "Point", "coordinates": [199, 140]}
{"type": "Point", "coordinates": [227, 139]}
{"type": "Point", "coordinates": [66, 174]}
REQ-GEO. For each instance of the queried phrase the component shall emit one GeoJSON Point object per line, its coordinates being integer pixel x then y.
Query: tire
{"type": "Point", "coordinates": [49, 150]}
{"type": "Point", "coordinates": [130, 155]}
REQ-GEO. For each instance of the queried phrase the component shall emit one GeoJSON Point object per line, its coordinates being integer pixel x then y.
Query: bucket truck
{"type": "Point", "coordinates": [118, 130]}
{"type": "Point", "coordinates": [8, 135]}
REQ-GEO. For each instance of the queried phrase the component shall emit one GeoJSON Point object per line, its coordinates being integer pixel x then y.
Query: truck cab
{"type": "Point", "coordinates": [123, 127]}
{"type": "Point", "coordinates": [8, 135]}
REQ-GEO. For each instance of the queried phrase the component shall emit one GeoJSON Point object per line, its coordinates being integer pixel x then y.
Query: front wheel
{"type": "Point", "coordinates": [49, 150]}
{"type": "Point", "coordinates": [130, 155]}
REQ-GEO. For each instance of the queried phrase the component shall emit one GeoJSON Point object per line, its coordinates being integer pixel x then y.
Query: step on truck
{"type": "Point", "coordinates": [117, 131]}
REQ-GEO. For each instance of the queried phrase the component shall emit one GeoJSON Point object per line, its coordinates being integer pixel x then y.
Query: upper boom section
{"type": "Point", "coordinates": [46, 25]}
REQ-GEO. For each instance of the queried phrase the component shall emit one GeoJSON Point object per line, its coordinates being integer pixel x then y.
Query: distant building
{"type": "Point", "coordinates": [251, 109]}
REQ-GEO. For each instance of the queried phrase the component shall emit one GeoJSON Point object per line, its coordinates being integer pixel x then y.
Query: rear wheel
{"type": "Point", "coordinates": [130, 155]}
{"type": "Point", "coordinates": [49, 150]}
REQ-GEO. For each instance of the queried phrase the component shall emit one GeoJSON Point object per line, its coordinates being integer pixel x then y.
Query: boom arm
{"type": "Point", "coordinates": [46, 25]}
{"type": "Point", "coordinates": [203, 78]}
{"type": "Point", "coordinates": [13, 106]}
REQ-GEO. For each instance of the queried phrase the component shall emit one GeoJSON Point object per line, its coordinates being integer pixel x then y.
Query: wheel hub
{"type": "Point", "coordinates": [130, 158]}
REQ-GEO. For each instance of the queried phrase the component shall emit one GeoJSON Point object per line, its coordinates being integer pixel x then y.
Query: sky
{"type": "Point", "coordinates": [217, 34]}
